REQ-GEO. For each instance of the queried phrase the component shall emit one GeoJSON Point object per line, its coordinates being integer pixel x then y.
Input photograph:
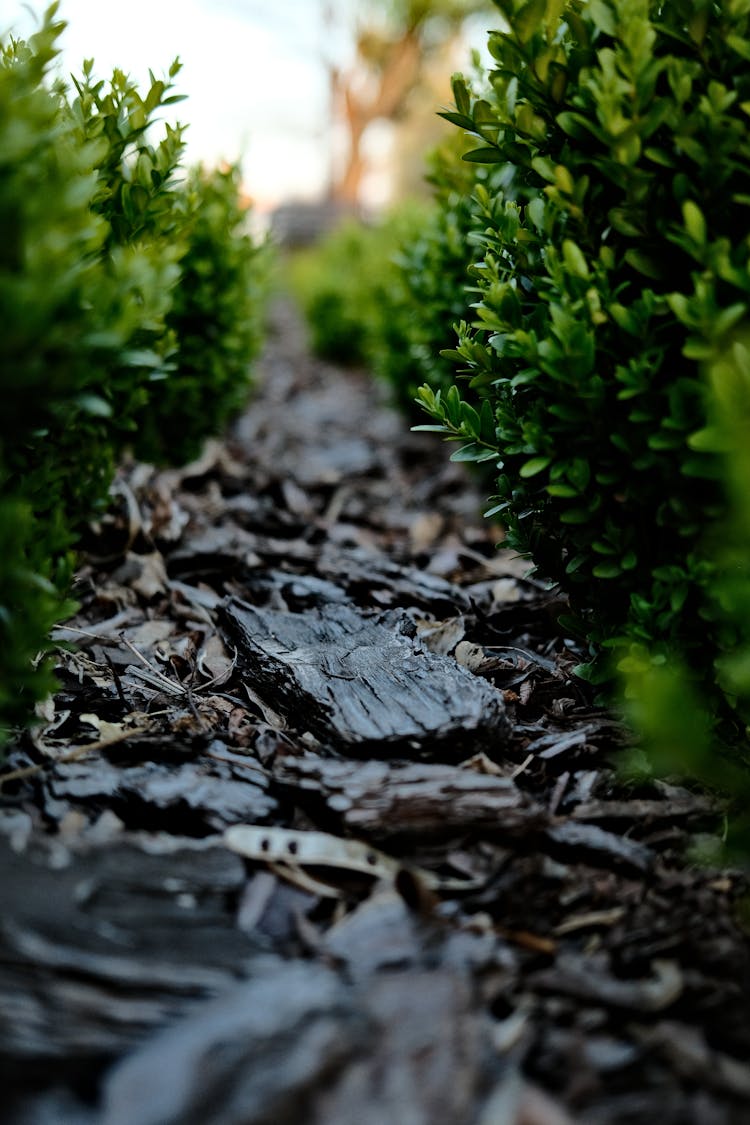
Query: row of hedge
{"type": "Point", "coordinates": [131, 297]}
{"type": "Point", "coordinates": [608, 334]}
{"type": "Point", "coordinates": [594, 257]}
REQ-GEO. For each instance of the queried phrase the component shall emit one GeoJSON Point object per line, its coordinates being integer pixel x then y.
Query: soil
{"type": "Point", "coordinates": [322, 827]}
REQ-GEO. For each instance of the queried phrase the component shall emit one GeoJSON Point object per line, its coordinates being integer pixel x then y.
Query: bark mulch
{"type": "Point", "coordinates": [322, 828]}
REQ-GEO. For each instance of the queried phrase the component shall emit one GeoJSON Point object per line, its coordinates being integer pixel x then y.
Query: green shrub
{"type": "Point", "coordinates": [215, 319]}
{"type": "Point", "coordinates": [80, 310]}
{"type": "Point", "coordinates": [138, 190]}
{"type": "Point", "coordinates": [387, 294]}
{"type": "Point", "coordinates": [64, 323]}
{"type": "Point", "coordinates": [94, 226]}
{"type": "Point", "coordinates": [191, 368]}
{"type": "Point", "coordinates": [346, 285]}
{"type": "Point", "coordinates": [675, 721]}
{"type": "Point", "coordinates": [429, 294]}
{"type": "Point", "coordinates": [324, 279]}
{"type": "Point", "coordinates": [615, 264]}
{"type": "Point", "coordinates": [140, 194]}
{"type": "Point", "coordinates": [30, 604]}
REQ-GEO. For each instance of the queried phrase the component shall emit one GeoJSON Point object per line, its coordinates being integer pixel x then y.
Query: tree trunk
{"type": "Point", "coordinates": [398, 73]}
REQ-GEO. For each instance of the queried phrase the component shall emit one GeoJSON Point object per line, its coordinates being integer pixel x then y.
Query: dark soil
{"type": "Point", "coordinates": [444, 907]}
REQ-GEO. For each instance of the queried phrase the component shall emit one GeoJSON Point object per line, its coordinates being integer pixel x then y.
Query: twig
{"type": "Point", "coordinates": [170, 685]}
{"type": "Point", "coordinates": [117, 681]}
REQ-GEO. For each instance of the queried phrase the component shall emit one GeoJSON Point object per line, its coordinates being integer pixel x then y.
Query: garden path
{"type": "Point", "coordinates": [443, 908]}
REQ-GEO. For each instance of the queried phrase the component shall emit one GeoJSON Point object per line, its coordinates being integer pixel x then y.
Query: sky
{"type": "Point", "coordinates": [253, 71]}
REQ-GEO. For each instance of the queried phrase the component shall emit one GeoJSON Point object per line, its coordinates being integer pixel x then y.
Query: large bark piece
{"type": "Point", "coordinates": [119, 942]}
{"type": "Point", "coordinates": [421, 800]}
{"type": "Point", "coordinates": [364, 684]}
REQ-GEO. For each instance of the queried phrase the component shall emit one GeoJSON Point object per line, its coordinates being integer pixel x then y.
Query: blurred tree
{"type": "Point", "coordinates": [395, 41]}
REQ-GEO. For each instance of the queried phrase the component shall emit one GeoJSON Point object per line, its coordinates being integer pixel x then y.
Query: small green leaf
{"type": "Point", "coordinates": [470, 452]}
{"type": "Point", "coordinates": [644, 264]}
{"type": "Point", "coordinates": [534, 466]}
{"type": "Point", "coordinates": [487, 422]}
{"type": "Point", "coordinates": [603, 16]}
{"type": "Point", "coordinates": [536, 212]}
{"type": "Point", "coordinates": [461, 94]}
{"type": "Point", "coordinates": [564, 179]}
{"type": "Point", "coordinates": [711, 439]}
{"type": "Point", "coordinates": [607, 570]}
{"type": "Point", "coordinates": [695, 223]}
{"type": "Point", "coordinates": [574, 259]}
{"type": "Point", "coordinates": [575, 564]}
{"type": "Point", "coordinates": [484, 156]}
{"type": "Point", "coordinates": [563, 491]}
{"type": "Point", "coordinates": [470, 419]}
{"type": "Point", "coordinates": [461, 119]}
{"type": "Point", "coordinates": [94, 405]}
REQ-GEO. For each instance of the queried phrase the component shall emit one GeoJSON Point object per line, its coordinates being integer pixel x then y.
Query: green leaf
{"type": "Point", "coordinates": [453, 406]}
{"type": "Point", "coordinates": [695, 223]}
{"type": "Point", "coordinates": [603, 16]}
{"type": "Point", "coordinates": [94, 405]}
{"type": "Point", "coordinates": [470, 419]}
{"type": "Point", "coordinates": [533, 466]}
{"type": "Point", "coordinates": [470, 452]}
{"type": "Point", "coordinates": [484, 156]}
{"type": "Point", "coordinates": [607, 570]}
{"type": "Point", "coordinates": [644, 263]}
{"type": "Point", "coordinates": [575, 564]}
{"type": "Point", "coordinates": [574, 259]}
{"type": "Point", "coordinates": [461, 95]}
{"type": "Point", "coordinates": [563, 491]}
{"type": "Point", "coordinates": [536, 212]}
{"type": "Point", "coordinates": [487, 430]}
{"type": "Point", "coordinates": [460, 119]}
{"type": "Point", "coordinates": [527, 19]}
{"type": "Point", "coordinates": [711, 439]}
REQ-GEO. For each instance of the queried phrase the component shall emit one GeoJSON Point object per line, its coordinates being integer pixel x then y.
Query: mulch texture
{"type": "Point", "coordinates": [321, 827]}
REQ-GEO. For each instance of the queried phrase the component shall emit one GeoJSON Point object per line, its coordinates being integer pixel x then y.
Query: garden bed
{"type": "Point", "coordinates": [450, 909]}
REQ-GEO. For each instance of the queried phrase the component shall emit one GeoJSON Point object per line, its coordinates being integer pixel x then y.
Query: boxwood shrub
{"type": "Point", "coordinates": [65, 322]}
{"type": "Point", "coordinates": [676, 723]}
{"type": "Point", "coordinates": [431, 290]}
{"type": "Point", "coordinates": [139, 194]}
{"type": "Point", "coordinates": [615, 266]}
{"type": "Point", "coordinates": [215, 320]}
{"type": "Point", "coordinates": [97, 228]}
{"type": "Point", "coordinates": [347, 285]}
{"type": "Point", "coordinates": [191, 369]}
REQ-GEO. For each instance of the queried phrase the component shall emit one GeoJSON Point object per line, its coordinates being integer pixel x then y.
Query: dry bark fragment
{"type": "Point", "coordinates": [364, 683]}
{"type": "Point", "coordinates": [422, 800]}
{"type": "Point", "coordinates": [254, 1055]}
{"type": "Point", "coordinates": [96, 954]}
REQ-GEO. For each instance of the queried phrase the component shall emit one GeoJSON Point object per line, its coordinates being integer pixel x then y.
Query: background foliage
{"type": "Point", "coordinates": [347, 285]}
{"type": "Point", "coordinates": [388, 293]}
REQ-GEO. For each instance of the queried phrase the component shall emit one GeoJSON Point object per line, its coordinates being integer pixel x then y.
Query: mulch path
{"type": "Point", "coordinates": [322, 828]}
